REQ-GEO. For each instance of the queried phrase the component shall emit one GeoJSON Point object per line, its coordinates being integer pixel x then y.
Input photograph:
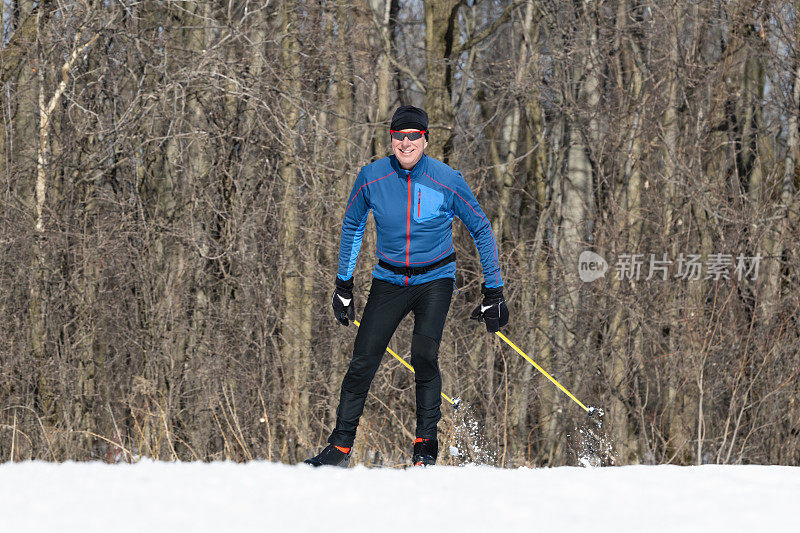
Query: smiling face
{"type": "Point", "coordinates": [409, 152]}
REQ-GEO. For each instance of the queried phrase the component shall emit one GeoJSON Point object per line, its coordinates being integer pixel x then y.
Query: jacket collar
{"type": "Point", "coordinates": [417, 171]}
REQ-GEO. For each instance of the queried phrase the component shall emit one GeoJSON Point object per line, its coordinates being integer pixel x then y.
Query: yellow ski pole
{"type": "Point", "coordinates": [454, 402]}
{"type": "Point", "coordinates": [590, 410]}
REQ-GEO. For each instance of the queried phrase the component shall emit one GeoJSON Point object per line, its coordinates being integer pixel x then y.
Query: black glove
{"type": "Point", "coordinates": [342, 301]}
{"type": "Point", "coordinates": [492, 310]}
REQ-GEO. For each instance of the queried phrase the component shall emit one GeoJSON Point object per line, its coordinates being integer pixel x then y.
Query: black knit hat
{"type": "Point", "coordinates": [409, 117]}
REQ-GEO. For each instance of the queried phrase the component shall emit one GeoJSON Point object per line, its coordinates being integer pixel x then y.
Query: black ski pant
{"type": "Point", "coordinates": [387, 305]}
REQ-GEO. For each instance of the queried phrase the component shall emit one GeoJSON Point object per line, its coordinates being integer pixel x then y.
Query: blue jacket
{"type": "Point", "coordinates": [413, 214]}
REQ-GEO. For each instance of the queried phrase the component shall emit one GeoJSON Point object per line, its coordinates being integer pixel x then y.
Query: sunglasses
{"type": "Point", "coordinates": [412, 135]}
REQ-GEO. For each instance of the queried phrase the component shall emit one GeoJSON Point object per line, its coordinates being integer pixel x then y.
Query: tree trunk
{"type": "Point", "coordinates": [440, 21]}
{"type": "Point", "coordinates": [296, 313]}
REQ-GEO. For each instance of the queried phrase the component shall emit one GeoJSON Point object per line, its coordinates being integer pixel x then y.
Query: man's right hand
{"type": "Point", "coordinates": [342, 301]}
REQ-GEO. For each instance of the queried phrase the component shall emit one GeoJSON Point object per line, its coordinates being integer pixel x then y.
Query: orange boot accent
{"type": "Point", "coordinates": [342, 449]}
{"type": "Point", "coordinates": [420, 439]}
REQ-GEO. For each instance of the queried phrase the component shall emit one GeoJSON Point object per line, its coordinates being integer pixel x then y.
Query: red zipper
{"type": "Point", "coordinates": [408, 225]}
{"type": "Point", "coordinates": [419, 201]}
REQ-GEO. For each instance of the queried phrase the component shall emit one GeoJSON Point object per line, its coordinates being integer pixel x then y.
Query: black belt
{"type": "Point", "coordinates": [416, 271]}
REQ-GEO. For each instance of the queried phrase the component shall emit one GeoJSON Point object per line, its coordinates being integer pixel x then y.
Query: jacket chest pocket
{"type": "Point", "coordinates": [427, 203]}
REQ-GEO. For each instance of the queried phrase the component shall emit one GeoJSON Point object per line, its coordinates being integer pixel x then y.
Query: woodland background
{"type": "Point", "coordinates": [173, 176]}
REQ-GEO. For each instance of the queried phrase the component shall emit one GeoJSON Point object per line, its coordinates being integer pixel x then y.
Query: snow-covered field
{"type": "Point", "coordinates": [151, 497]}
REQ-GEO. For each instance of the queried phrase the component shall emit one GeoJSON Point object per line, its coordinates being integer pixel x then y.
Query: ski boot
{"type": "Point", "coordinates": [332, 455]}
{"type": "Point", "coordinates": [425, 452]}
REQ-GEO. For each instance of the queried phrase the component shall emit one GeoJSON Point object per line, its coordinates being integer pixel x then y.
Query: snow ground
{"type": "Point", "coordinates": [152, 497]}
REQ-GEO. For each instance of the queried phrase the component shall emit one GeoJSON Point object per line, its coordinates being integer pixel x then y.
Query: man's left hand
{"type": "Point", "coordinates": [492, 310]}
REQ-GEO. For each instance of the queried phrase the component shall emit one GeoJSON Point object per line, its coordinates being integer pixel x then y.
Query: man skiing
{"type": "Point", "coordinates": [413, 199]}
